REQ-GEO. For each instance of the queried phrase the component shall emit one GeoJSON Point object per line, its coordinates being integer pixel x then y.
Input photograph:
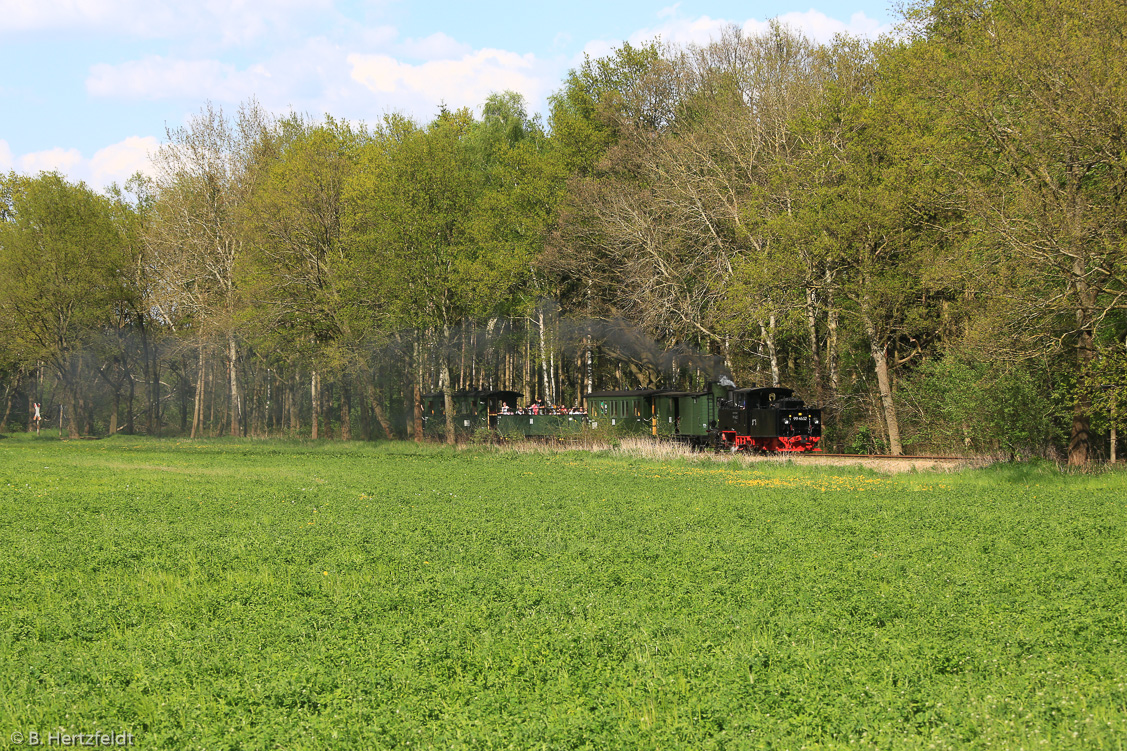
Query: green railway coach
{"type": "Point", "coordinates": [538, 426]}
{"type": "Point", "coordinates": [474, 409]}
{"type": "Point", "coordinates": [622, 411]}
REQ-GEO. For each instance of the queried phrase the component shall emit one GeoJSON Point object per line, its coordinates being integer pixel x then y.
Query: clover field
{"type": "Point", "coordinates": [255, 595]}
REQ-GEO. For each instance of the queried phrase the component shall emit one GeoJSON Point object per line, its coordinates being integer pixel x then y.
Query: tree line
{"type": "Point", "coordinates": [924, 234]}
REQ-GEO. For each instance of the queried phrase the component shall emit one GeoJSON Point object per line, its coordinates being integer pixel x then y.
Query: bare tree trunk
{"type": "Point", "coordinates": [554, 396]}
{"type": "Point", "coordinates": [1113, 437]}
{"type": "Point", "coordinates": [812, 330]}
{"type": "Point", "coordinates": [474, 379]}
{"type": "Point", "coordinates": [73, 406]}
{"type": "Point", "coordinates": [9, 392]}
{"type": "Point", "coordinates": [376, 401]}
{"type": "Point", "coordinates": [7, 411]}
{"type": "Point", "coordinates": [417, 412]}
{"type": "Point", "coordinates": [113, 412]}
{"type": "Point", "coordinates": [482, 368]}
{"type": "Point", "coordinates": [294, 401]}
{"type": "Point", "coordinates": [462, 368]}
{"type": "Point", "coordinates": [1080, 440]}
{"type": "Point", "coordinates": [260, 403]}
{"type": "Point", "coordinates": [327, 411]}
{"type": "Point", "coordinates": [528, 395]}
{"type": "Point", "coordinates": [154, 394]}
{"type": "Point", "coordinates": [417, 405]}
{"type": "Point", "coordinates": [233, 375]}
{"type": "Point", "coordinates": [147, 370]}
{"type": "Point", "coordinates": [884, 384]}
{"type": "Point", "coordinates": [315, 399]}
{"type": "Point", "coordinates": [130, 426]}
{"type": "Point", "coordinates": [345, 409]}
{"type": "Point", "coordinates": [182, 387]}
{"type": "Point", "coordinates": [831, 340]}
{"type": "Point", "coordinates": [545, 387]}
{"type": "Point", "coordinates": [284, 379]}
{"type": "Point", "coordinates": [197, 411]}
{"type": "Point", "coordinates": [32, 398]}
{"type": "Point", "coordinates": [212, 425]}
{"type": "Point", "coordinates": [772, 354]}
{"type": "Point", "coordinates": [86, 404]}
{"type": "Point", "coordinates": [409, 410]}
{"type": "Point", "coordinates": [447, 400]}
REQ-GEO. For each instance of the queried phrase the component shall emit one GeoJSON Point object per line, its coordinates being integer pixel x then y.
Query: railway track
{"type": "Point", "coordinates": [881, 462]}
{"type": "Point", "coordinates": [884, 456]}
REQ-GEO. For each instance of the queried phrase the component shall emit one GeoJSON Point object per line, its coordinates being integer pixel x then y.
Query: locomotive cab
{"type": "Point", "coordinates": [768, 419]}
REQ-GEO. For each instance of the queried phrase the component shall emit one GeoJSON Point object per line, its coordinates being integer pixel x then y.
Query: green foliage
{"type": "Point", "coordinates": [1107, 386]}
{"type": "Point", "coordinates": [1033, 93]}
{"type": "Point", "coordinates": [300, 269]}
{"type": "Point", "coordinates": [445, 220]}
{"type": "Point", "coordinates": [61, 258]}
{"type": "Point", "coordinates": [604, 95]}
{"type": "Point", "coordinates": [984, 407]}
{"type": "Point", "coordinates": [237, 594]}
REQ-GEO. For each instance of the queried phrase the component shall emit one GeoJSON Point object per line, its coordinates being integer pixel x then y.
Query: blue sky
{"type": "Point", "coordinates": [90, 85]}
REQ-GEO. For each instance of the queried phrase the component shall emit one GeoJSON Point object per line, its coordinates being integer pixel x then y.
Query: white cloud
{"type": "Point", "coordinates": [321, 76]}
{"type": "Point", "coordinates": [821, 28]}
{"type": "Point", "coordinates": [313, 77]}
{"type": "Point", "coordinates": [370, 37]}
{"type": "Point", "coordinates": [161, 78]}
{"type": "Point", "coordinates": [117, 163]}
{"type": "Point", "coordinates": [337, 75]}
{"type": "Point", "coordinates": [52, 160]}
{"type": "Point", "coordinates": [437, 46]}
{"type": "Point", "coordinates": [701, 30]}
{"type": "Point", "coordinates": [462, 82]}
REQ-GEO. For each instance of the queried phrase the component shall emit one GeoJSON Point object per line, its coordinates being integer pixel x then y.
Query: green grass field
{"type": "Point", "coordinates": [263, 595]}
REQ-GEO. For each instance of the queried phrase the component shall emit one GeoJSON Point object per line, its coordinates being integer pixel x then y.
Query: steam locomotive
{"type": "Point", "coordinates": [722, 416]}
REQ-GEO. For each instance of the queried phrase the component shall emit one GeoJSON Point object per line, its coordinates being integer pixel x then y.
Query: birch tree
{"type": "Point", "coordinates": [197, 236]}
